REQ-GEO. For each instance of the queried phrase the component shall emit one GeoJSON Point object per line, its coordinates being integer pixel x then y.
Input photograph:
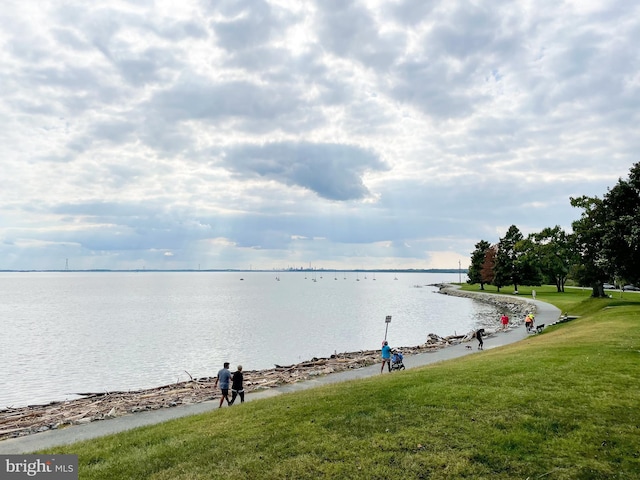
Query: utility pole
{"type": "Point", "coordinates": [459, 272]}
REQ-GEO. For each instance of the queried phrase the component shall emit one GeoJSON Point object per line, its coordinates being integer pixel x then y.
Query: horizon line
{"type": "Point", "coordinates": [434, 270]}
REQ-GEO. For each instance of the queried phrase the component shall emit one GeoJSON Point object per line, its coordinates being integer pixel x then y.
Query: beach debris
{"type": "Point", "coordinates": [93, 406]}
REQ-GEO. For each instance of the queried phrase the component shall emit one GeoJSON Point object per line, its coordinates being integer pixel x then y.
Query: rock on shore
{"type": "Point", "coordinates": [516, 307]}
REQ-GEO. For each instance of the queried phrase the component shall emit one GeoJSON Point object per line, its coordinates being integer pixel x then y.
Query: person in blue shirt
{"type": "Point", "coordinates": [386, 356]}
{"type": "Point", "coordinates": [224, 377]}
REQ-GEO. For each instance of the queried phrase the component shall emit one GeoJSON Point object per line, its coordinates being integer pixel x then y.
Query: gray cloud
{"type": "Point", "coordinates": [411, 12]}
{"type": "Point", "coordinates": [330, 170]}
{"type": "Point", "coordinates": [249, 24]}
{"type": "Point", "coordinates": [349, 30]}
{"type": "Point", "coordinates": [198, 98]}
{"type": "Point", "coordinates": [238, 132]}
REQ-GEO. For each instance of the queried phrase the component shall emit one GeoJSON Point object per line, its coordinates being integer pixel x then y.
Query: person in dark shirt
{"type": "Point", "coordinates": [237, 389]}
{"type": "Point", "coordinates": [479, 334]}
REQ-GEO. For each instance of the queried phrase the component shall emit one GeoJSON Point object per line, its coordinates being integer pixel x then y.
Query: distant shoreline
{"type": "Point", "coordinates": [275, 270]}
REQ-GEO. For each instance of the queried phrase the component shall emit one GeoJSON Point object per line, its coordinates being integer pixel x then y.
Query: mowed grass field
{"type": "Point", "coordinates": [564, 404]}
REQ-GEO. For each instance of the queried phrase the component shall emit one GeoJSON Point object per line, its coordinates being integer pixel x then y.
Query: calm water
{"type": "Point", "coordinates": [64, 333]}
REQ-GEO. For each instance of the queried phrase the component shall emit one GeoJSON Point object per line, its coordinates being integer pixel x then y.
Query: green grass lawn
{"type": "Point", "coordinates": [560, 405]}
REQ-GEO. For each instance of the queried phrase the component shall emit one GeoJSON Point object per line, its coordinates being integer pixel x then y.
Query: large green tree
{"type": "Point", "coordinates": [477, 260]}
{"type": "Point", "coordinates": [608, 234]}
{"type": "Point", "coordinates": [621, 239]}
{"type": "Point", "coordinates": [555, 254]}
{"type": "Point", "coordinates": [506, 269]}
{"type": "Point", "coordinates": [527, 262]}
{"type": "Point", "coordinates": [589, 231]}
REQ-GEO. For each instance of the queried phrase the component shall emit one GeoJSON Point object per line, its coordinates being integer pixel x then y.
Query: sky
{"type": "Point", "coordinates": [330, 134]}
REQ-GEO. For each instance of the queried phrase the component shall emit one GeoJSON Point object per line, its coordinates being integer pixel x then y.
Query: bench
{"type": "Point", "coordinates": [539, 328]}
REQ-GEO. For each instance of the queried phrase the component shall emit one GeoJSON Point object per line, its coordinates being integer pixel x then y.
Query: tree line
{"type": "Point", "coordinates": [604, 246]}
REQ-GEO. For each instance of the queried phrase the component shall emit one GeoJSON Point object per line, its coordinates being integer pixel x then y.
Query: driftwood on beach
{"type": "Point", "coordinates": [92, 406]}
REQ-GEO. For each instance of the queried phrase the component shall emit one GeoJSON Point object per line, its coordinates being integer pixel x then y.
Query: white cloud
{"type": "Point", "coordinates": [367, 133]}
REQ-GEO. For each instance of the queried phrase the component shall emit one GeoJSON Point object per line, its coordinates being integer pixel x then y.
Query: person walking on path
{"type": "Point", "coordinates": [224, 376]}
{"type": "Point", "coordinates": [237, 389]}
{"type": "Point", "coordinates": [479, 334]}
{"type": "Point", "coordinates": [386, 356]}
{"type": "Point", "coordinates": [528, 321]}
{"type": "Point", "coordinates": [505, 321]}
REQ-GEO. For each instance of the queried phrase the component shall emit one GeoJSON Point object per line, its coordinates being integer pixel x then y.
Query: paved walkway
{"type": "Point", "coordinates": [545, 313]}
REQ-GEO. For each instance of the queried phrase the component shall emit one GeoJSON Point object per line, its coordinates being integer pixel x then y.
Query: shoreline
{"type": "Point", "coordinates": [23, 421]}
{"type": "Point", "coordinates": [518, 307]}
{"type": "Point", "coordinates": [91, 407]}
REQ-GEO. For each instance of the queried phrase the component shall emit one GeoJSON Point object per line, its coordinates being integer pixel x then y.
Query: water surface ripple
{"type": "Point", "coordinates": [70, 332]}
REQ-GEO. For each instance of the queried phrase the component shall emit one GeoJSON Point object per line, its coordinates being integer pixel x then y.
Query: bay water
{"type": "Point", "coordinates": [63, 333]}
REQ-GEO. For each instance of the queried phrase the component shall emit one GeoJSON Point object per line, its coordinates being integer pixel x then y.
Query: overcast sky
{"type": "Point", "coordinates": [332, 133]}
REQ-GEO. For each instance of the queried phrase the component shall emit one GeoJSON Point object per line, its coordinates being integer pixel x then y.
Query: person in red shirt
{"type": "Point", "coordinates": [505, 321]}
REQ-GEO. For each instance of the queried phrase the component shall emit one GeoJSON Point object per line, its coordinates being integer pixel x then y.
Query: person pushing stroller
{"type": "Point", "coordinates": [386, 356]}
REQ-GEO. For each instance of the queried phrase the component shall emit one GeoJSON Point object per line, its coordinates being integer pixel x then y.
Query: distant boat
{"type": "Point", "coordinates": [374, 276]}
{"type": "Point", "coordinates": [277, 278]}
{"type": "Point", "coordinates": [357, 278]}
{"type": "Point", "coordinates": [242, 279]}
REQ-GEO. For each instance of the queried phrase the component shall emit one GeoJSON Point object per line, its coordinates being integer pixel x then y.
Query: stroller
{"type": "Point", "coordinates": [396, 360]}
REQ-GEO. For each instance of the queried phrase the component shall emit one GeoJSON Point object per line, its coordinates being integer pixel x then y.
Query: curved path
{"type": "Point", "coordinates": [545, 314]}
